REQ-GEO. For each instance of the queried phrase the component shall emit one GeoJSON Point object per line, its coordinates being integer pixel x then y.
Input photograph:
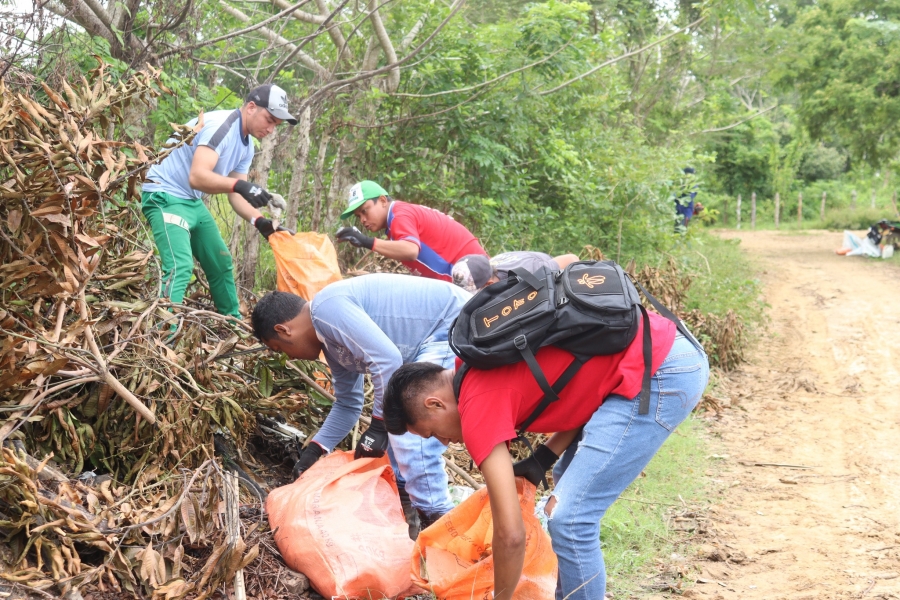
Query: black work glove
{"type": "Point", "coordinates": [535, 466]}
{"type": "Point", "coordinates": [355, 237]}
{"type": "Point", "coordinates": [252, 193]}
{"type": "Point", "coordinates": [308, 458]}
{"type": "Point", "coordinates": [266, 227]}
{"type": "Point", "coordinates": [374, 441]}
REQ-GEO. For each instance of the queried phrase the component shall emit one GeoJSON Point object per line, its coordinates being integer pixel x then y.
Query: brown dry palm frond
{"type": "Point", "coordinates": [99, 374]}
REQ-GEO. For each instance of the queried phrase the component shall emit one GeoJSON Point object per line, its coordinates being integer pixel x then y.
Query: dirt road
{"type": "Point", "coordinates": [822, 390]}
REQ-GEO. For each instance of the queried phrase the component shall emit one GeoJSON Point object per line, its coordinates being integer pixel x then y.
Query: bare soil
{"type": "Point", "coordinates": [821, 390]}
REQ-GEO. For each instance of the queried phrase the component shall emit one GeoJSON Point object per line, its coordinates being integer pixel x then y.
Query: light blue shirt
{"type": "Point", "coordinates": [221, 132]}
{"type": "Point", "coordinates": [373, 324]}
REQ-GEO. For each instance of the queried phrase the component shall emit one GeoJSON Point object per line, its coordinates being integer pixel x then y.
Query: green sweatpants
{"type": "Point", "coordinates": [184, 229]}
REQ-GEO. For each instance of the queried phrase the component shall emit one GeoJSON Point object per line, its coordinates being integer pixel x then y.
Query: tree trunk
{"type": "Point", "coordinates": [298, 173]}
{"type": "Point", "coordinates": [339, 175]}
{"type": "Point", "coordinates": [800, 209]}
{"type": "Point", "coordinates": [873, 198]}
{"type": "Point", "coordinates": [258, 174]}
{"type": "Point", "coordinates": [777, 209]}
{"type": "Point", "coordinates": [319, 182]}
{"type": "Point", "coordinates": [822, 208]}
{"type": "Point", "coordinates": [753, 210]}
{"type": "Point", "coordinates": [853, 200]}
{"type": "Point", "coordinates": [739, 211]}
{"type": "Point", "coordinates": [725, 211]}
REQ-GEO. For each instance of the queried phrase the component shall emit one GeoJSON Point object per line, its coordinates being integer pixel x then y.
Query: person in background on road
{"type": "Point", "coordinates": [425, 240]}
{"type": "Point", "coordinates": [215, 162]}
{"type": "Point", "coordinates": [685, 200]}
{"type": "Point", "coordinates": [613, 447]}
{"type": "Point", "coordinates": [371, 324]}
{"type": "Point", "coordinates": [475, 271]}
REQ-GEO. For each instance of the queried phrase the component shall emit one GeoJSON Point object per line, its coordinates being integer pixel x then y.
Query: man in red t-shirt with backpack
{"type": "Point", "coordinates": [425, 240]}
{"type": "Point", "coordinates": [604, 442]}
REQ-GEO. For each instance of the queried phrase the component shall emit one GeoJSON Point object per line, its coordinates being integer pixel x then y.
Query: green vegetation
{"type": "Point", "coordinates": [637, 530]}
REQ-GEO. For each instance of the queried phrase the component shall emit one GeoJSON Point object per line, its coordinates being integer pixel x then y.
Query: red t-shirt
{"type": "Point", "coordinates": [441, 240]}
{"type": "Point", "coordinates": [493, 402]}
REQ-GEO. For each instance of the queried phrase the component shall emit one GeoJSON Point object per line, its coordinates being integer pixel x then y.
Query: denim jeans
{"type": "Point", "coordinates": [615, 446]}
{"type": "Point", "coordinates": [419, 462]}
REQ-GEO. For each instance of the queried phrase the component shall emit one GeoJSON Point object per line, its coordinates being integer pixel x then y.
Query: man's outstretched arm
{"type": "Point", "coordinates": [509, 530]}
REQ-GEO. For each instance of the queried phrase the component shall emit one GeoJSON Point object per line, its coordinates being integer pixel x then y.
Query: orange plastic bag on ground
{"type": "Point", "coordinates": [342, 526]}
{"type": "Point", "coordinates": [305, 262]}
{"type": "Point", "coordinates": [453, 560]}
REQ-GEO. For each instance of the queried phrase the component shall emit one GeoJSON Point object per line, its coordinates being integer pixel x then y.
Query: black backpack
{"type": "Point", "coordinates": [590, 308]}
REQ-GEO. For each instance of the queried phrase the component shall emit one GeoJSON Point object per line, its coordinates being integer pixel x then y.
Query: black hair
{"type": "Point", "coordinates": [408, 384]}
{"type": "Point", "coordinates": [274, 309]}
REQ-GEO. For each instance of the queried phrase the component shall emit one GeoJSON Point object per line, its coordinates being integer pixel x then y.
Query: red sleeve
{"type": "Point", "coordinates": [488, 418]}
{"type": "Point", "coordinates": [405, 226]}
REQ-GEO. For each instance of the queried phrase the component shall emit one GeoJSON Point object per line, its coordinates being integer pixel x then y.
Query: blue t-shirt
{"type": "Point", "coordinates": [373, 324]}
{"type": "Point", "coordinates": [221, 132]}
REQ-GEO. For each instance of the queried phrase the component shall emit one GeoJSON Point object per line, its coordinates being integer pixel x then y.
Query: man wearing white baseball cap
{"type": "Point", "coordinates": [215, 162]}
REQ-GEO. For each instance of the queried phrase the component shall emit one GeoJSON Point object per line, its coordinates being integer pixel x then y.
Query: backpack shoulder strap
{"type": "Point", "coordinates": [558, 386]}
{"type": "Point", "coordinates": [679, 324]}
{"type": "Point", "coordinates": [528, 277]}
{"type": "Point", "coordinates": [458, 379]}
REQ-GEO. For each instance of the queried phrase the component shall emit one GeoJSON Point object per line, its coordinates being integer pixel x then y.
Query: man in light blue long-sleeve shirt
{"type": "Point", "coordinates": [371, 324]}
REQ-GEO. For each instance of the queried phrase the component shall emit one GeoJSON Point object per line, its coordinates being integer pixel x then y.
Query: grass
{"type": "Point", "coordinates": [725, 279]}
{"type": "Point", "coordinates": [635, 533]}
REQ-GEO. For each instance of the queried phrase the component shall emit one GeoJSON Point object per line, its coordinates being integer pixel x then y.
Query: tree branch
{"type": "Point", "coordinates": [733, 125]}
{"type": "Point", "coordinates": [393, 81]}
{"type": "Point", "coordinates": [457, 5]}
{"type": "Point", "coordinates": [409, 37]}
{"type": "Point", "coordinates": [241, 17]}
{"type": "Point", "coordinates": [308, 39]}
{"type": "Point", "coordinates": [623, 56]}
{"type": "Point", "coordinates": [337, 36]}
{"type": "Point", "coordinates": [304, 58]}
{"type": "Point", "coordinates": [490, 81]}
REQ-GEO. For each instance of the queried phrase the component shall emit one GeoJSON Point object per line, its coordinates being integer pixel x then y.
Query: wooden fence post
{"type": "Point", "coordinates": [753, 210]}
{"type": "Point", "coordinates": [739, 209]}
{"type": "Point", "coordinates": [777, 209]}
{"type": "Point", "coordinates": [800, 209]}
{"type": "Point", "coordinates": [822, 209]}
{"type": "Point", "coordinates": [853, 200]}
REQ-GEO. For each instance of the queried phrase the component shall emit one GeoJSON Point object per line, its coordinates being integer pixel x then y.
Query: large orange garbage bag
{"type": "Point", "coordinates": [341, 525]}
{"type": "Point", "coordinates": [305, 262]}
{"type": "Point", "coordinates": [453, 560]}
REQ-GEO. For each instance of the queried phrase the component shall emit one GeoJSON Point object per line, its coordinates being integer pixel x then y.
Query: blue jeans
{"type": "Point", "coordinates": [615, 446]}
{"type": "Point", "coordinates": [418, 462]}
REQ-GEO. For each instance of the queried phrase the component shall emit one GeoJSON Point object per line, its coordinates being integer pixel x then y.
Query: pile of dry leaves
{"type": "Point", "coordinates": [101, 376]}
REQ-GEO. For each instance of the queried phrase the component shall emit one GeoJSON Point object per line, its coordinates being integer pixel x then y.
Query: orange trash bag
{"type": "Point", "coordinates": [341, 525]}
{"type": "Point", "coordinates": [305, 262]}
{"type": "Point", "coordinates": [453, 560]}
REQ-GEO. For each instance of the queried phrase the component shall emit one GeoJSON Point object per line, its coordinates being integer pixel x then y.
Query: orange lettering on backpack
{"type": "Point", "coordinates": [487, 322]}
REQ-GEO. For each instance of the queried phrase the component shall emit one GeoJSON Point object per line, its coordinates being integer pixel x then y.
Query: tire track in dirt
{"type": "Point", "coordinates": [822, 389]}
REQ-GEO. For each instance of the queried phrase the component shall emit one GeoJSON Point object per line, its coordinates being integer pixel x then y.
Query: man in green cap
{"type": "Point", "coordinates": [215, 162]}
{"type": "Point", "coordinates": [425, 240]}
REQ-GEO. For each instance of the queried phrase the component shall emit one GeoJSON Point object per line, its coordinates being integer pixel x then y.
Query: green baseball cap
{"type": "Point", "coordinates": [359, 193]}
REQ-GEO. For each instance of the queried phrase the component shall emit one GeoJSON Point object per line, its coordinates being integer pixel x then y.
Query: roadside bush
{"type": "Point", "coordinates": [861, 218]}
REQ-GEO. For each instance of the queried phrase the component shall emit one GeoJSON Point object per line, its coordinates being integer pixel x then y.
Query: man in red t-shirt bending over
{"type": "Point", "coordinates": [605, 443]}
{"type": "Point", "coordinates": [425, 240]}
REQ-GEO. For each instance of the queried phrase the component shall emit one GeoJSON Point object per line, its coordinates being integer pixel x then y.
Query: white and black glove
{"type": "Point", "coordinates": [252, 193]}
{"type": "Point", "coordinates": [308, 458]}
{"type": "Point", "coordinates": [355, 237]}
{"type": "Point", "coordinates": [535, 466]}
{"type": "Point", "coordinates": [374, 442]}
{"type": "Point", "coordinates": [267, 227]}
